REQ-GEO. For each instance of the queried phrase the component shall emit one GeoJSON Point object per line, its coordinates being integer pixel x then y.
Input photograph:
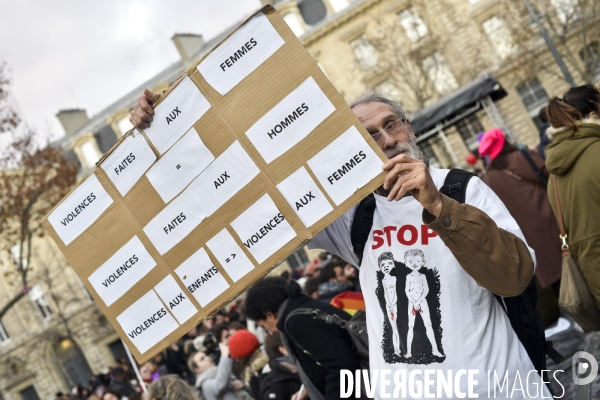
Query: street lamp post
{"type": "Point", "coordinates": [550, 45]}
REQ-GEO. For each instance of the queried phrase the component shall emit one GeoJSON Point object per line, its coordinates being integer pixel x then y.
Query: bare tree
{"type": "Point", "coordinates": [33, 179]}
{"type": "Point", "coordinates": [573, 26]}
{"type": "Point", "coordinates": [410, 49]}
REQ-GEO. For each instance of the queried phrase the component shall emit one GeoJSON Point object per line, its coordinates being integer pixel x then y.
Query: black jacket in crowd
{"type": "Point", "coordinates": [281, 382]}
{"type": "Point", "coordinates": [328, 345]}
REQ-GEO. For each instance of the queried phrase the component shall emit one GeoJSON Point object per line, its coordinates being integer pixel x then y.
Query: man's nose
{"type": "Point", "coordinates": [387, 141]}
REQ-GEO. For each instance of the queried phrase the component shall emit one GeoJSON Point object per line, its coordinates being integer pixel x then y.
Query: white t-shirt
{"type": "Point", "coordinates": [456, 324]}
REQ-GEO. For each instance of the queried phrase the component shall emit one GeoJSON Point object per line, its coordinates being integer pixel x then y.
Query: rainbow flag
{"type": "Point", "coordinates": [349, 301]}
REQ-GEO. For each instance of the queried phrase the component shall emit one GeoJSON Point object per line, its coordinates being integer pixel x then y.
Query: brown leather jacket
{"type": "Point", "coordinates": [498, 260]}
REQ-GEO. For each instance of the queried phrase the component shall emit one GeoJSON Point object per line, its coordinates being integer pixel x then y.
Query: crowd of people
{"type": "Point", "coordinates": [435, 268]}
{"type": "Point", "coordinates": [220, 358]}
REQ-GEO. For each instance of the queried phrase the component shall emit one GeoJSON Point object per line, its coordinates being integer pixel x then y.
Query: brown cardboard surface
{"type": "Point", "coordinates": [226, 122]}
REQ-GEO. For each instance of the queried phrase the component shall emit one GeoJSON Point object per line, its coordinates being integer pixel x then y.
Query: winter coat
{"type": "Point", "coordinates": [328, 347]}
{"type": "Point", "coordinates": [575, 161]}
{"type": "Point", "coordinates": [280, 380]}
{"type": "Point", "coordinates": [253, 370]}
{"type": "Point", "coordinates": [213, 383]}
{"type": "Point", "coordinates": [524, 195]}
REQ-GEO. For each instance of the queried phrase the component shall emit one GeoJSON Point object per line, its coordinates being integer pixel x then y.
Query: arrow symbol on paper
{"type": "Point", "coordinates": [178, 166]}
{"type": "Point", "coordinates": [233, 255]}
{"type": "Point", "coordinates": [227, 260]}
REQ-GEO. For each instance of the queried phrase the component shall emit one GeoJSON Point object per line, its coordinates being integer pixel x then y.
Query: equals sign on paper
{"type": "Point", "coordinates": [178, 166]}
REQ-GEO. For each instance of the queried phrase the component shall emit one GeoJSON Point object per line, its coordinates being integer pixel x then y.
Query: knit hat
{"type": "Point", "coordinates": [242, 344]}
{"type": "Point", "coordinates": [492, 143]}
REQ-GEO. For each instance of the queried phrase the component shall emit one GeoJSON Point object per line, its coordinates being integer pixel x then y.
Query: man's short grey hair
{"type": "Point", "coordinates": [371, 96]}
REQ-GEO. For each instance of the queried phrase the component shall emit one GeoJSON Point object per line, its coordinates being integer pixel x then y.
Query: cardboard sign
{"type": "Point", "coordinates": [250, 154]}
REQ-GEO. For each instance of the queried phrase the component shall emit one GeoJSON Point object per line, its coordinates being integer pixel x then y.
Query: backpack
{"type": "Point", "coordinates": [525, 320]}
{"type": "Point", "coordinates": [355, 326]}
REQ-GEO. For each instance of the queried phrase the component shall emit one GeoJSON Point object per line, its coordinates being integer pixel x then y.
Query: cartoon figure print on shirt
{"type": "Point", "coordinates": [409, 296]}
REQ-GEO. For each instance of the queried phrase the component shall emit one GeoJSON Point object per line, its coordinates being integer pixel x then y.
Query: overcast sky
{"type": "Point", "coordinates": [87, 54]}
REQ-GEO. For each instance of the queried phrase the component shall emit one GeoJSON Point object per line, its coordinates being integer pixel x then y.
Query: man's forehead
{"type": "Point", "coordinates": [373, 112]}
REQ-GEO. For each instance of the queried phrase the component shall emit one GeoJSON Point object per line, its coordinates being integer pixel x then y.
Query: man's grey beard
{"type": "Point", "coordinates": [410, 149]}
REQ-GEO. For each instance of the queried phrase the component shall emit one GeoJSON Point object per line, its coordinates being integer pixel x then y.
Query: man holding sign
{"type": "Point", "coordinates": [473, 250]}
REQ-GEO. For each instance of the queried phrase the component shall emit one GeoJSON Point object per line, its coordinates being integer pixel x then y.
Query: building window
{"type": "Point", "coordinates": [89, 152]}
{"type": "Point", "coordinates": [338, 5]}
{"type": "Point", "coordinates": [590, 55]}
{"type": "Point", "coordinates": [565, 10]}
{"type": "Point", "coordinates": [294, 23]}
{"type": "Point", "coordinates": [389, 90]}
{"type": "Point", "coordinates": [3, 335]}
{"type": "Point", "coordinates": [428, 153]}
{"type": "Point", "coordinates": [532, 95]}
{"type": "Point", "coordinates": [499, 35]}
{"type": "Point", "coordinates": [439, 73]}
{"type": "Point", "coordinates": [469, 127]}
{"type": "Point", "coordinates": [36, 294]}
{"type": "Point", "coordinates": [412, 24]}
{"type": "Point", "coordinates": [29, 393]}
{"type": "Point", "coordinates": [364, 52]}
{"type": "Point", "coordinates": [298, 260]}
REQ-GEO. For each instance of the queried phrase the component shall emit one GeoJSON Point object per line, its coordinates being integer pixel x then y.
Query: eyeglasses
{"type": "Point", "coordinates": [392, 129]}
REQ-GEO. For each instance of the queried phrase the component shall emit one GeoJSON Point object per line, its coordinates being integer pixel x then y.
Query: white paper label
{"type": "Point", "coordinates": [290, 121]}
{"type": "Point", "coordinates": [174, 223]}
{"type": "Point", "coordinates": [182, 163]}
{"type": "Point", "coordinates": [176, 300]}
{"type": "Point", "coordinates": [128, 162]}
{"type": "Point", "coordinates": [346, 165]}
{"type": "Point", "coordinates": [123, 270]}
{"type": "Point", "coordinates": [241, 54]}
{"type": "Point", "coordinates": [304, 196]}
{"type": "Point", "coordinates": [80, 210]}
{"type": "Point", "coordinates": [226, 176]}
{"type": "Point", "coordinates": [263, 229]}
{"type": "Point", "coordinates": [176, 115]}
{"type": "Point", "coordinates": [231, 257]}
{"type": "Point", "coordinates": [201, 277]}
{"type": "Point", "coordinates": [146, 322]}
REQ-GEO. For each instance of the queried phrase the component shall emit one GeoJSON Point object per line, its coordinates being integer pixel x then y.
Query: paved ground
{"type": "Point", "coordinates": [568, 343]}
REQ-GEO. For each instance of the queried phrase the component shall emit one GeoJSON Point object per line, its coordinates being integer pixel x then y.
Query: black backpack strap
{"type": "Point", "coordinates": [534, 166]}
{"type": "Point", "coordinates": [455, 184]}
{"type": "Point", "coordinates": [362, 224]}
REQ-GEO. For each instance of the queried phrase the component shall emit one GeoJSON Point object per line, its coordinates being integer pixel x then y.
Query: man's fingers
{"type": "Point", "coordinates": [151, 96]}
{"type": "Point", "coordinates": [396, 171]}
{"type": "Point", "coordinates": [402, 186]}
{"type": "Point", "coordinates": [398, 160]}
{"type": "Point", "coordinates": [145, 104]}
{"type": "Point", "coordinates": [141, 113]}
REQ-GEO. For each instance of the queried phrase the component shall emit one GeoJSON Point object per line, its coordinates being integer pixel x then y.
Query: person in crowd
{"type": "Point", "coordinates": [573, 158]}
{"type": "Point", "coordinates": [120, 383]}
{"type": "Point", "coordinates": [523, 192]}
{"type": "Point", "coordinates": [332, 281]}
{"type": "Point", "coordinates": [111, 394]}
{"type": "Point", "coordinates": [473, 250]}
{"type": "Point", "coordinates": [147, 371]}
{"type": "Point", "coordinates": [244, 348]}
{"type": "Point", "coordinates": [320, 350]}
{"type": "Point", "coordinates": [169, 387]}
{"type": "Point", "coordinates": [236, 326]}
{"type": "Point", "coordinates": [351, 275]}
{"type": "Point", "coordinates": [213, 375]}
{"type": "Point", "coordinates": [221, 317]}
{"type": "Point", "coordinates": [280, 378]}
{"type": "Point", "coordinates": [544, 139]}
{"type": "Point", "coordinates": [221, 332]}
{"type": "Point", "coordinates": [311, 287]}
{"type": "Point", "coordinates": [161, 366]}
